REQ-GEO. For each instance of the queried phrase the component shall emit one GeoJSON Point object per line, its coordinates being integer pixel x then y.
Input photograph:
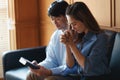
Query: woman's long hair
{"type": "Point", "coordinates": [81, 12]}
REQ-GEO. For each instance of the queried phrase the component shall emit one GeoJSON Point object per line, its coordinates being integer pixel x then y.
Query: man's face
{"type": "Point", "coordinates": [60, 22]}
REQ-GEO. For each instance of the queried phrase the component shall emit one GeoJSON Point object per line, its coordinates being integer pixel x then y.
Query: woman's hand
{"type": "Point", "coordinates": [68, 37]}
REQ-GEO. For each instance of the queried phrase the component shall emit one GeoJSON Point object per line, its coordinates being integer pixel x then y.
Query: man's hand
{"type": "Point", "coordinates": [42, 71]}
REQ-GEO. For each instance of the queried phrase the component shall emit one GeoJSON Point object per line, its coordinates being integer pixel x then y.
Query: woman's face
{"type": "Point", "coordinates": [60, 22]}
{"type": "Point", "coordinates": [76, 25]}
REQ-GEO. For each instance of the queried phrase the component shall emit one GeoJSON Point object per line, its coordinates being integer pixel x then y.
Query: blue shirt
{"type": "Point", "coordinates": [55, 54]}
{"type": "Point", "coordinates": [94, 49]}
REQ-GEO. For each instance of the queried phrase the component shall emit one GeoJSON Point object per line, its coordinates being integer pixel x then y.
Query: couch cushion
{"type": "Point", "coordinates": [115, 59]}
{"type": "Point", "coordinates": [17, 74]}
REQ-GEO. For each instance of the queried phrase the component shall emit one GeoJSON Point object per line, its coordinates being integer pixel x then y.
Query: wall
{"type": "Point", "coordinates": [106, 12]}
{"type": "Point", "coordinates": [25, 18]}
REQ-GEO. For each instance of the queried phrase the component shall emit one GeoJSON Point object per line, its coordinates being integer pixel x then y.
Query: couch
{"type": "Point", "coordinates": [13, 70]}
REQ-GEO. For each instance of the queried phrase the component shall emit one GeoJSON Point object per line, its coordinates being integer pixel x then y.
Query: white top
{"type": "Point", "coordinates": [55, 54]}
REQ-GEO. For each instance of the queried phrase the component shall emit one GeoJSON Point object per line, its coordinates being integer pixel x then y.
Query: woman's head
{"type": "Point", "coordinates": [56, 12]}
{"type": "Point", "coordinates": [81, 19]}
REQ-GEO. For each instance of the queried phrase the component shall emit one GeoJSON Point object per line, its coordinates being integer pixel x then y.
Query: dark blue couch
{"type": "Point", "coordinates": [115, 59]}
{"type": "Point", "coordinates": [13, 70]}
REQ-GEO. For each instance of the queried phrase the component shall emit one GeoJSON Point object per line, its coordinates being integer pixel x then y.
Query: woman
{"type": "Point", "coordinates": [89, 51]}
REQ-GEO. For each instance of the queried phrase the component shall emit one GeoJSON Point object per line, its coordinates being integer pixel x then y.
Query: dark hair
{"type": "Point", "coordinates": [81, 12]}
{"type": "Point", "coordinates": [57, 8]}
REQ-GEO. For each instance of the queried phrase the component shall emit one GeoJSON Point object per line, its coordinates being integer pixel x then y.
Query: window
{"type": "Point", "coordinates": [4, 32]}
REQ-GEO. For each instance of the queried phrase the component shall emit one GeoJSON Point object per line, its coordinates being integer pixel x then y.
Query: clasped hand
{"type": "Point", "coordinates": [67, 37]}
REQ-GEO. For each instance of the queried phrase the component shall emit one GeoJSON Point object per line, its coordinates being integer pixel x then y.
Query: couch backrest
{"type": "Point", "coordinates": [11, 58]}
{"type": "Point", "coordinates": [111, 39]}
{"type": "Point", "coordinates": [115, 59]}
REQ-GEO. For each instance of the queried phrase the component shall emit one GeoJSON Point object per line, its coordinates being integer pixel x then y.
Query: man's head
{"type": "Point", "coordinates": [56, 12]}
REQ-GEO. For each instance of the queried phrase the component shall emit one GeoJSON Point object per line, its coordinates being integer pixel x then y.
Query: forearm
{"type": "Point", "coordinates": [69, 57]}
{"type": "Point", "coordinates": [78, 56]}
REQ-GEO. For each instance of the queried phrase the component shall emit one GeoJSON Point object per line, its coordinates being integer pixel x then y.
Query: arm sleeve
{"type": "Point", "coordinates": [96, 63]}
{"type": "Point", "coordinates": [70, 71]}
{"type": "Point", "coordinates": [50, 60]}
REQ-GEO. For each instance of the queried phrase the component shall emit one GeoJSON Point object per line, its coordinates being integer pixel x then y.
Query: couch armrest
{"type": "Point", "coordinates": [10, 59]}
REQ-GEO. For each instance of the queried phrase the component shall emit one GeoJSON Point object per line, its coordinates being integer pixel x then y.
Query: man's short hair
{"type": "Point", "coordinates": [57, 8]}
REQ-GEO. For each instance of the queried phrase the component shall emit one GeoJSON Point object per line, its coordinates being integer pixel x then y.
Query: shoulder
{"type": "Point", "coordinates": [102, 38]}
{"type": "Point", "coordinates": [56, 35]}
{"type": "Point", "coordinates": [54, 40]}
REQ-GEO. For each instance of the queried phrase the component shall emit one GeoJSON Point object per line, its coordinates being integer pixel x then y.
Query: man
{"type": "Point", "coordinates": [53, 67]}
